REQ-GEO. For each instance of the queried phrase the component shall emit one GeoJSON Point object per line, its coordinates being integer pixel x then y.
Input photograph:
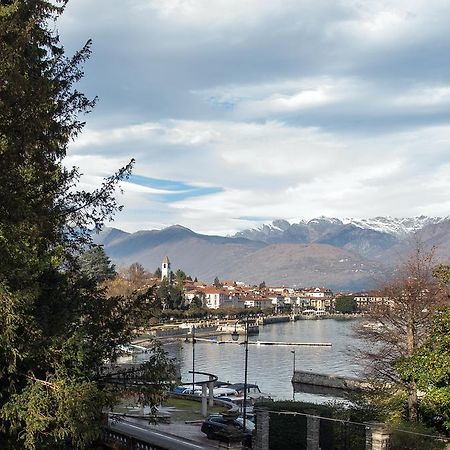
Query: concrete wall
{"type": "Point", "coordinates": [276, 319]}
{"type": "Point", "coordinates": [170, 332]}
{"type": "Point", "coordinates": [328, 381]}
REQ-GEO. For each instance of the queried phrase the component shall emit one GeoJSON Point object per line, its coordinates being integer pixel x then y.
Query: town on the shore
{"type": "Point", "coordinates": [230, 294]}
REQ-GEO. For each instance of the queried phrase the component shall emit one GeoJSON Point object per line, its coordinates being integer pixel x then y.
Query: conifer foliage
{"type": "Point", "coordinates": [56, 327]}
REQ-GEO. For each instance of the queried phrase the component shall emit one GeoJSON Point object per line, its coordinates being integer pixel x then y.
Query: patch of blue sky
{"type": "Point", "coordinates": [172, 190]}
{"type": "Point", "coordinates": [227, 103]}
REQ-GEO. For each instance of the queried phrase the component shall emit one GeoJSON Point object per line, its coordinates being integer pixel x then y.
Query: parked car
{"type": "Point", "coordinates": [187, 389]}
{"type": "Point", "coordinates": [179, 389]}
{"type": "Point", "coordinates": [217, 423]}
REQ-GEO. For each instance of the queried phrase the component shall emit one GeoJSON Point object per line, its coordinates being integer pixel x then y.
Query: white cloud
{"type": "Point", "coordinates": [92, 138]}
{"type": "Point", "coordinates": [276, 170]}
{"type": "Point", "coordinates": [295, 108]}
{"type": "Point", "coordinates": [333, 95]}
{"type": "Point", "coordinates": [423, 96]}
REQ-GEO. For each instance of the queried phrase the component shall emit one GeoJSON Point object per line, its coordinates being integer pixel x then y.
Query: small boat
{"type": "Point", "coordinates": [224, 392]}
{"type": "Point", "coordinates": [253, 391]}
{"type": "Point", "coordinates": [234, 393]}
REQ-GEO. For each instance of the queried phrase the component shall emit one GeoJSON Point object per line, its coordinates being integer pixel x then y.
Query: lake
{"type": "Point", "coordinates": [271, 366]}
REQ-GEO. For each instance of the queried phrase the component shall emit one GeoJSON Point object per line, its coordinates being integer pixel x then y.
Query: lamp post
{"type": "Point", "coordinates": [235, 337]}
{"type": "Point", "coordinates": [293, 374]}
{"type": "Point", "coordinates": [193, 358]}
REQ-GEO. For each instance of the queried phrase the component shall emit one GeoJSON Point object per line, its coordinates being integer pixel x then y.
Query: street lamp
{"type": "Point", "coordinates": [235, 337]}
{"type": "Point", "coordinates": [293, 374]}
{"type": "Point", "coordinates": [193, 358]}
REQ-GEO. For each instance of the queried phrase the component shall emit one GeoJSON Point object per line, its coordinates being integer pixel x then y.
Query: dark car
{"type": "Point", "coordinates": [216, 426]}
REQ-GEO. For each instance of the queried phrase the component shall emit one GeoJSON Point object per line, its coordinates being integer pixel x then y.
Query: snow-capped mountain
{"type": "Point", "coordinates": [396, 226]}
{"type": "Point", "coordinates": [400, 227]}
{"type": "Point", "coordinates": [367, 237]}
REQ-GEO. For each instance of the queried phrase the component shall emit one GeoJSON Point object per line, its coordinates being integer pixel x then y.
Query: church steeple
{"type": "Point", "coordinates": [165, 269]}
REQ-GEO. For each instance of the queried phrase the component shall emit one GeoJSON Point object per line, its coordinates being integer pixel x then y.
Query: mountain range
{"type": "Point", "coordinates": [343, 254]}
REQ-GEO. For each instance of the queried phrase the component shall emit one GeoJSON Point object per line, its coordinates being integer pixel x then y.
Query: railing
{"type": "Point", "coordinates": [131, 436]}
{"type": "Point", "coordinates": [126, 442]}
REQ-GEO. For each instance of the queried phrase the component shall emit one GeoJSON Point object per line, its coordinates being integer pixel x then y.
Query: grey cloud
{"type": "Point", "coordinates": [208, 66]}
{"type": "Point", "coordinates": [148, 66]}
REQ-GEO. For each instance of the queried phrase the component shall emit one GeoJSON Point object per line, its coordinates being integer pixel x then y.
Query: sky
{"type": "Point", "coordinates": [239, 112]}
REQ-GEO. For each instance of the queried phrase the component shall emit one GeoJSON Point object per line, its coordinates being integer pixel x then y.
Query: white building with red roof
{"type": "Point", "coordinates": [219, 298]}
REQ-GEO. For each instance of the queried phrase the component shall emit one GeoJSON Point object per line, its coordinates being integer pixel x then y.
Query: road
{"type": "Point", "coordinates": [174, 436]}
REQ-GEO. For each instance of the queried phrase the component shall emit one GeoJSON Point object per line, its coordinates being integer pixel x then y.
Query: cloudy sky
{"type": "Point", "coordinates": [239, 112]}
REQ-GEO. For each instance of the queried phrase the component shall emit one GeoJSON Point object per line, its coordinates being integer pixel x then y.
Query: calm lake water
{"type": "Point", "coordinates": [271, 366]}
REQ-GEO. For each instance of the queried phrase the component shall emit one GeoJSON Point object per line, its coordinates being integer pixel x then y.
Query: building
{"type": "Point", "coordinates": [365, 299]}
{"type": "Point", "coordinates": [191, 293]}
{"type": "Point", "coordinates": [218, 298]}
{"type": "Point", "coordinates": [256, 301]}
{"type": "Point", "coordinates": [165, 270]}
{"type": "Point", "coordinates": [319, 298]}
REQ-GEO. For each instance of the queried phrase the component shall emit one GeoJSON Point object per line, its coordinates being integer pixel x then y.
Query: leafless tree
{"type": "Point", "coordinates": [400, 322]}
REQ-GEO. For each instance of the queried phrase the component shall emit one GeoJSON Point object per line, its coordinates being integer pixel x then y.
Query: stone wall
{"type": "Point", "coordinates": [329, 381]}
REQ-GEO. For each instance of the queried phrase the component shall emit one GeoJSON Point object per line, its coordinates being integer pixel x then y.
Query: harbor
{"type": "Point", "coordinates": [271, 366]}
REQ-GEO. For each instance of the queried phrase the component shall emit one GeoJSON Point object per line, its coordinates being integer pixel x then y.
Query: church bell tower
{"type": "Point", "coordinates": [165, 269]}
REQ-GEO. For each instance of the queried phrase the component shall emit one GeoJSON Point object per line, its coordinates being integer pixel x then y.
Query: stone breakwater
{"type": "Point", "coordinates": [328, 381]}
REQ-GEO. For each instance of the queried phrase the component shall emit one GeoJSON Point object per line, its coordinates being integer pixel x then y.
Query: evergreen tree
{"type": "Point", "coordinates": [177, 297]}
{"type": "Point", "coordinates": [56, 328]}
{"type": "Point", "coordinates": [169, 296]}
{"type": "Point", "coordinates": [345, 304]}
{"type": "Point", "coordinates": [164, 295]}
{"type": "Point", "coordinates": [158, 272]}
{"type": "Point", "coordinates": [180, 275]}
{"type": "Point", "coordinates": [196, 303]}
{"type": "Point", "coordinates": [96, 265]}
{"type": "Point", "coordinates": [216, 282]}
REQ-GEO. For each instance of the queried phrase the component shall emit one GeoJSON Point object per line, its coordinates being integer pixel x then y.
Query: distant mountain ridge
{"type": "Point", "coordinates": [347, 254]}
{"type": "Point", "coordinates": [395, 226]}
{"type": "Point", "coordinates": [367, 237]}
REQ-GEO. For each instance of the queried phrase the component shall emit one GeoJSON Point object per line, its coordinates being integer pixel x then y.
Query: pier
{"type": "Point", "coordinates": [301, 344]}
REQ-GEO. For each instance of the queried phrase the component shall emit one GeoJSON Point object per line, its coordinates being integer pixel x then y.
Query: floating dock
{"type": "Point", "coordinates": [300, 344]}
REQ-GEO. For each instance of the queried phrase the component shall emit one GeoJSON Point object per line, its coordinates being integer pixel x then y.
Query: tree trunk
{"type": "Point", "coordinates": [412, 402]}
{"type": "Point", "coordinates": [412, 387]}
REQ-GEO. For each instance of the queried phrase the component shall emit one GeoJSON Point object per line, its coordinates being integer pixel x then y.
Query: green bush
{"type": "Point", "coordinates": [407, 436]}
